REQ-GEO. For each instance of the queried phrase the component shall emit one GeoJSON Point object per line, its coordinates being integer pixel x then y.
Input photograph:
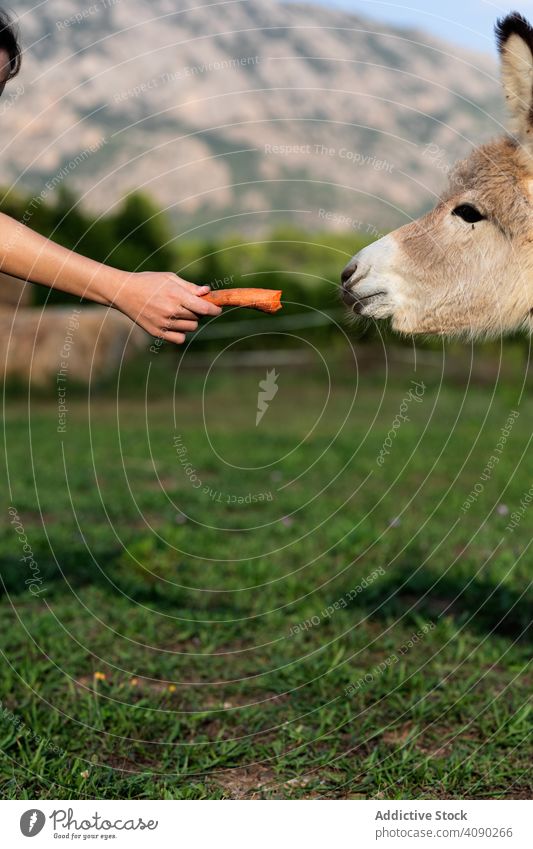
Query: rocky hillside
{"type": "Point", "coordinates": [241, 115]}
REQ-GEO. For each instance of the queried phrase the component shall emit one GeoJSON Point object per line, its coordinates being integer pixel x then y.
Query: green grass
{"type": "Point", "coordinates": [213, 686]}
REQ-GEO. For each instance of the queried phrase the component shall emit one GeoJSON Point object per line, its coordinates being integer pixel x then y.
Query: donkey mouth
{"type": "Point", "coordinates": [348, 296]}
{"type": "Point", "coordinates": [359, 302]}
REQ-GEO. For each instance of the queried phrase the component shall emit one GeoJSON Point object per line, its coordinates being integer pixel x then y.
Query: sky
{"type": "Point", "coordinates": [466, 22]}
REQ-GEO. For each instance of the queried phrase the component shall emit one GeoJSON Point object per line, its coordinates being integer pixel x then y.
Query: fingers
{"type": "Point", "coordinates": [193, 302]}
{"type": "Point", "coordinates": [172, 336]}
{"type": "Point", "coordinates": [182, 313]}
{"type": "Point", "coordinates": [193, 288]}
{"type": "Point", "coordinates": [175, 331]}
{"type": "Point", "coordinates": [200, 306]}
{"type": "Point", "coordinates": [183, 326]}
{"type": "Point", "coordinates": [190, 306]}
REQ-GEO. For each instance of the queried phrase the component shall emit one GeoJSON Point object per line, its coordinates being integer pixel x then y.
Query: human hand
{"type": "Point", "coordinates": [163, 304]}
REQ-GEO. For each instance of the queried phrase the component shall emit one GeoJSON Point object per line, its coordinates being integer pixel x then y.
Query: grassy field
{"type": "Point", "coordinates": [217, 609]}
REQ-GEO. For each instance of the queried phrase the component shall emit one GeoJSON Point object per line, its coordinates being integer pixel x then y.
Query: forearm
{"type": "Point", "coordinates": [29, 256]}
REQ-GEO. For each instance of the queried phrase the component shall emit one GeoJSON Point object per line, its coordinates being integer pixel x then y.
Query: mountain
{"type": "Point", "coordinates": [241, 115]}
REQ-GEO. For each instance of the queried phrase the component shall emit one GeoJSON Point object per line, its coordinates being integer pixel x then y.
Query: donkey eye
{"type": "Point", "coordinates": [468, 213]}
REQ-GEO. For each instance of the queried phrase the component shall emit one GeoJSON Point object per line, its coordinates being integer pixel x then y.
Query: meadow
{"type": "Point", "coordinates": [303, 608]}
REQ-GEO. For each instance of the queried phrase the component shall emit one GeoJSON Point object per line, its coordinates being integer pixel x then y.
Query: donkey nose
{"type": "Point", "coordinates": [347, 295]}
{"type": "Point", "coordinates": [348, 272]}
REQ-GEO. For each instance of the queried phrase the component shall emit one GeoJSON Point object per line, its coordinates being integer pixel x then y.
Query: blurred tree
{"type": "Point", "coordinates": [142, 237]}
{"type": "Point", "coordinates": [213, 269]}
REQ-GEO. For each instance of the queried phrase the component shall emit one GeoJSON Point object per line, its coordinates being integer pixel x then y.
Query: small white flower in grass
{"type": "Point", "coordinates": [395, 523]}
{"type": "Point", "coordinates": [180, 518]}
{"type": "Point", "coordinates": [502, 509]}
{"type": "Point", "coordinates": [287, 521]}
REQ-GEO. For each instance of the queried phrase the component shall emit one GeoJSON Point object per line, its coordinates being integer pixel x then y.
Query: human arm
{"type": "Point", "coordinates": [160, 302]}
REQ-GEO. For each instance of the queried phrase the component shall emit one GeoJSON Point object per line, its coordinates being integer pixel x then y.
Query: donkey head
{"type": "Point", "coordinates": [467, 266]}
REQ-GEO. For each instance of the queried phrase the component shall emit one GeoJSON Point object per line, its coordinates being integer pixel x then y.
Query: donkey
{"type": "Point", "coordinates": [465, 268]}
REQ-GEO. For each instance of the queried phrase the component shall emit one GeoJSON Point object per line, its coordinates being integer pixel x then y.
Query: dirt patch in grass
{"type": "Point", "coordinates": [249, 782]}
{"type": "Point", "coordinates": [397, 737]}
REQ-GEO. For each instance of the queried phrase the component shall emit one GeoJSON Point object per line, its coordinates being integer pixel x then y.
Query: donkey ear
{"type": "Point", "coordinates": [514, 36]}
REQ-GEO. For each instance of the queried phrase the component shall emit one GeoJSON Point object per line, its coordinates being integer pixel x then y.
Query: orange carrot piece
{"type": "Point", "coordinates": [266, 300]}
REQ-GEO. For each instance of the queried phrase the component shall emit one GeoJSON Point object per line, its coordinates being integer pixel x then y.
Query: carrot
{"type": "Point", "coordinates": [266, 300]}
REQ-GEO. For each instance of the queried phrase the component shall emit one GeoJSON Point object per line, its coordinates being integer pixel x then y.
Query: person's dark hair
{"type": "Point", "coordinates": [9, 41]}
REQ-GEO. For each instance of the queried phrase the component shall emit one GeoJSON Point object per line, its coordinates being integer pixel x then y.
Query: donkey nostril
{"type": "Point", "coordinates": [348, 272]}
